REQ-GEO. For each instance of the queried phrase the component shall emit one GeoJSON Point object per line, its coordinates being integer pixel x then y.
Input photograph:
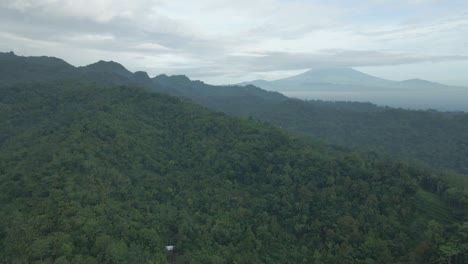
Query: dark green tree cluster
{"type": "Point", "coordinates": [112, 175]}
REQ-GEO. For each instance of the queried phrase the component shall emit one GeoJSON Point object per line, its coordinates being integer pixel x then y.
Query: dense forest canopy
{"type": "Point", "coordinates": [96, 170]}
{"type": "Point", "coordinates": [112, 175]}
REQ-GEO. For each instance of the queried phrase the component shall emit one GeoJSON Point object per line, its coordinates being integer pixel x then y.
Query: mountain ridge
{"type": "Point", "coordinates": [347, 76]}
{"type": "Point", "coordinates": [363, 126]}
{"type": "Point", "coordinates": [337, 76]}
{"type": "Point", "coordinates": [107, 66]}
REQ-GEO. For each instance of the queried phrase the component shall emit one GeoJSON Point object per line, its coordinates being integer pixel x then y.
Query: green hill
{"type": "Point", "coordinates": [437, 140]}
{"type": "Point", "coordinates": [112, 175]}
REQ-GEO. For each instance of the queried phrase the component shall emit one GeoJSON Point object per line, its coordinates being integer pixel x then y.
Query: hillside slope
{"type": "Point", "coordinates": [112, 175]}
{"type": "Point", "coordinates": [431, 137]}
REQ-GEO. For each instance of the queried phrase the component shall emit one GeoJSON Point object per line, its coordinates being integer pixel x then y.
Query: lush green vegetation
{"type": "Point", "coordinates": [434, 139]}
{"type": "Point", "coordinates": [112, 175]}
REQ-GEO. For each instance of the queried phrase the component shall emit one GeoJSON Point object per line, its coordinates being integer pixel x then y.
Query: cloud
{"type": "Point", "coordinates": [97, 10]}
{"type": "Point", "coordinates": [237, 38]}
{"type": "Point", "coordinates": [286, 61]}
{"type": "Point", "coordinates": [339, 58]}
{"type": "Point", "coordinates": [405, 2]}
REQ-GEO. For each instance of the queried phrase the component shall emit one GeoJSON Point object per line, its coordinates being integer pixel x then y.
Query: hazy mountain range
{"type": "Point", "coordinates": [364, 126]}
{"type": "Point", "coordinates": [347, 84]}
{"type": "Point", "coordinates": [332, 84]}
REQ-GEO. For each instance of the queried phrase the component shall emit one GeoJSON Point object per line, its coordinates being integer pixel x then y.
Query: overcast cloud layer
{"type": "Point", "coordinates": [222, 41]}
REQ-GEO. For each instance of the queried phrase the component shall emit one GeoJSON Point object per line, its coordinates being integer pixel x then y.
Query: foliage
{"type": "Point", "coordinates": [433, 139]}
{"type": "Point", "coordinates": [112, 175]}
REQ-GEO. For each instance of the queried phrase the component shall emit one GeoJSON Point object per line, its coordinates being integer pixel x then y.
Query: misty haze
{"type": "Point", "coordinates": [347, 84]}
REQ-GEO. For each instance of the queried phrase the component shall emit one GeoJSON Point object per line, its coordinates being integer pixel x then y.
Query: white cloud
{"type": "Point", "coordinates": [98, 10]}
{"type": "Point", "coordinates": [237, 38]}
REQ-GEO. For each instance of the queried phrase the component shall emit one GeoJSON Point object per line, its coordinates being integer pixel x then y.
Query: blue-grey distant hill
{"type": "Point", "coordinates": [347, 84]}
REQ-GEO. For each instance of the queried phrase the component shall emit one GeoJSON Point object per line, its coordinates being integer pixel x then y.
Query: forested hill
{"type": "Point", "coordinates": [112, 175]}
{"type": "Point", "coordinates": [437, 139]}
{"type": "Point", "coordinates": [434, 138]}
{"type": "Point", "coordinates": [17, 69]}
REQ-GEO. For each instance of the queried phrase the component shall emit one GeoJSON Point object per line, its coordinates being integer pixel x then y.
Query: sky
{"type": "Point", "coordinates": [220, 41]}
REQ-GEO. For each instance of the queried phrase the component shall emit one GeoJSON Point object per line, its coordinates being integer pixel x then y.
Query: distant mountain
{"type": "Point", "coordinates": [16, 68]}
{"type": "Point", "coordinates": [141, 76]}
{"type": "Point", "coordinates": [337, 77]}
{"type": "Point", "coordinates": [421, 84]}
{"type": "Point", "coordinates": [346, 84]}
{"type": "Point", "coordinates": [343, 76]}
